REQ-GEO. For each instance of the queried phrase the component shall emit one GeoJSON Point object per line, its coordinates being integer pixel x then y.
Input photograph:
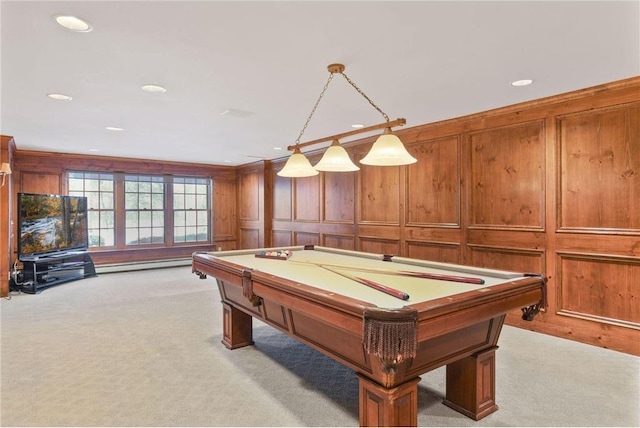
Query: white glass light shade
{"type": "Point", "coordinates": [336, 159]}
{"type": "Point", "coordinates": [388, 150]}
{"type": "Point", "coordinates": [297, 166]}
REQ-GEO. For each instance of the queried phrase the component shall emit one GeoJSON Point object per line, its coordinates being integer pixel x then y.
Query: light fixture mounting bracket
{"type": "Point", "coordinates": [335, 68]}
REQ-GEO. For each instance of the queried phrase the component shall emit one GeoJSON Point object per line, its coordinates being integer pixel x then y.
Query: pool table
{"type": "Point", "coordinates": [388, 318]}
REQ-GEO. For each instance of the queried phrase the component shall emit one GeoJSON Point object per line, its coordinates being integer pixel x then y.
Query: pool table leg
{"type": "Point", "coordinates": [471, 385]}
{"type": "Point", "coordinates": [237, 328]}
{"type": "Point", "coordinates": [384, 407]}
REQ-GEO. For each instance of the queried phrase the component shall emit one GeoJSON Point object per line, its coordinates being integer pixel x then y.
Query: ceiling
{"type": "Point", "coordinates": [265, 62]}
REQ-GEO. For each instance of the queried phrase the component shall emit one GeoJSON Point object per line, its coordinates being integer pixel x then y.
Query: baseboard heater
{"type": "Point", "coordinates": [153, 264]}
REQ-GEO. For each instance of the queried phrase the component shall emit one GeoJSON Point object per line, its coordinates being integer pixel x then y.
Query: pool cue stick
{"type": "Point", "coordinates": [442, 277]}
{"type": "Point", "coordinates": [425, 275]}
{"type": "Point", "coordinates": [377, 286]}
{"type": "Point", "coordinates": [383, 288]}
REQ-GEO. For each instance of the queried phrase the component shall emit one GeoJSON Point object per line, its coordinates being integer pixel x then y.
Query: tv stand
{"type": "Point", "coordinates": [42, 271]}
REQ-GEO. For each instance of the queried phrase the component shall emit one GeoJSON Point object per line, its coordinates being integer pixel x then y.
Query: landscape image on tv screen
{"type": "Point", "coordinates": [50, 223]}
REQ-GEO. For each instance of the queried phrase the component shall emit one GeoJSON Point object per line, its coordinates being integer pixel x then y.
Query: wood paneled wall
{"type": "Point", "coordinates": [550, 186]}
{"type": "Point", "coordinates": [43, 172]}
{"type": "Point", "coordinates": [251, 206]}
{"type": "Point", "coordinates": [7, 147]}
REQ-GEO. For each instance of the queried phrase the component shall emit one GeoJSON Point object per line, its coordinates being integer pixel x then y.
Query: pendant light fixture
{"type": "Point", "coordinates": [336, 159]}
{"type": "Point", "coordinates": [298, 166]}
{"type": "Point", "coordinates": [388, 150]}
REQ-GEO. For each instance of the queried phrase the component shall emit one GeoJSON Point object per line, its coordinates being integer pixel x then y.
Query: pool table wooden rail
{"type": "Point", "coordinates": [460, 331]}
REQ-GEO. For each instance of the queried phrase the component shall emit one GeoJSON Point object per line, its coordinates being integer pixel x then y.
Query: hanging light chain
{"type": "Point", "coordinates": [365, 96]}
{"type": "Point", "coordinates": [333, 69]}
{"type": "Point", "coordinates": [326, 85]}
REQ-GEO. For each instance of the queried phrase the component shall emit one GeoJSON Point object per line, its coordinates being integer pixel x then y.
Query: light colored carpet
{"type": "Point", "coordinates": [143, 349]}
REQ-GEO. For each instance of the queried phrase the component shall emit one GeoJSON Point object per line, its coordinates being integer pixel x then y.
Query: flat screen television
{"type": "Point", "coordinates": [51, 223]}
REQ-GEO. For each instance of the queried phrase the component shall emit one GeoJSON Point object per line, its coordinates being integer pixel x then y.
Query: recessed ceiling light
{"type": "Point", "coordinates": [523, 82]}
{"type": "Point", "coordinates": [154, 88]}
{"type": "Point", "coordinates": [113, 128]}
{"type": "Point", "coordinates": [232, 112]}
{"type": "Point", "coordinates": [277, 148]}
{"type": "Point", "coordinates": [73, 23]}
{"type": "Point", "coordinates": [94, 150]}
{"type": "Point", "coordinates": [357, 125]}
{"type": "Point", "coordinates": [60, 97]}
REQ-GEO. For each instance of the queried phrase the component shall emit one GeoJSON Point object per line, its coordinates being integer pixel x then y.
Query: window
{"type": "Point", "coordinates": [99, 190]}
{"type": "Point", "coordinates": [190, 210]}
{"type": "Point", "coordinates": [144, 209]}
{"type": "Point", "coordinates": [134, 210]}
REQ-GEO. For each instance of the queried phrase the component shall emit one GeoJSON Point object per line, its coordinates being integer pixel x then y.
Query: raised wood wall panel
{"type": "Point", "coordinates": [281, 238]}
{"type": "Point", "coordinates": [344, 229]}
{"type": "Point", "coordinates": [599, 243]}
{"type": "Point", "coordinates": [380, 246]}
{"type": "Point", "coordinates": [605, 290]}
{"type": "Point", "coordinates": [508, 176]}
{"type": "Point", "coordinates": [433, 183]}
{"type": "Point", "coordinates": [282, 198]}
{"type": "Point", "coordinates": [250, 238]}
{"type": "Point", "coordinates": [250, 189]}
{"type": "Point", "coordinates": [600, 164]}
{"type": "Point", "coordinates": [224, 211]}
{"type": "Point", "coordinates": [508, 238]}
{"type": "Point", "coordinates": [515, 260]}
{"type": "Point", "coordinates": [339, 197]}
{"type": "Point", "coordinates": [307, 199]}
{"type": "Point", "coordinates": [305, 238]}
{"type": "Point", "coordinates": [253, 183]}
{"type": "Point", "coordinates": [40, 182]}
{"type": "Point", "coordinates": [439, 252]}
{"type": "Point", "coordinates": [391, 233]}
{"type": "Point", "coordinates": [379, 195]}
{"type": "Point", "coordinates": [339, 241]}
{"type": "Point", "coordinates": [433, 234]}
